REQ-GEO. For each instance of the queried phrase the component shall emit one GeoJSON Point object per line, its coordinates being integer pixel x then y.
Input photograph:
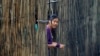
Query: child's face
{"type": "Point", "coordinates": [54, 23]}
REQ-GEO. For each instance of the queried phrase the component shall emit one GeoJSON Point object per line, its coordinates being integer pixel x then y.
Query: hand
{"type": "Point", "coordinates": [62, 46]}
{"type": "Point", "coordinates": [54, 44]}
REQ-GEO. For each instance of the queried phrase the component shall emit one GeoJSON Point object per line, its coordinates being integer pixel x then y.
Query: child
{"type": "Point", "coordinates": [52, 24]}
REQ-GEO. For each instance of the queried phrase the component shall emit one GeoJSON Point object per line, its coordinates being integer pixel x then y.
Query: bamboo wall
{"type": "Point", "coordinates": [17, 34]}
{"type": "Point", "coordinates": [78, 27]}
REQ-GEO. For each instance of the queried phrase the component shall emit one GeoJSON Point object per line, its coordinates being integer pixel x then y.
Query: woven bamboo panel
{"type": "Point", "coordinates": [79, 24]}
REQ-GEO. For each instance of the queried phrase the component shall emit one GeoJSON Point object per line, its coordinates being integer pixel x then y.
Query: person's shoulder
{"type": "Point", "coordinates": [47, 27]}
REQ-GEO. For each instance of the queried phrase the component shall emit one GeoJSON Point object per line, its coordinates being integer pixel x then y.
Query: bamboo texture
{"type": "Point", "coordinates": [79, 23]}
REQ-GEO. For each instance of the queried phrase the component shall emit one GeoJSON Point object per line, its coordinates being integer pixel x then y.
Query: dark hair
{"type": "Point", "coordinates": [53, 32]}
{"type": "Point", "coordinates": [53, 16]}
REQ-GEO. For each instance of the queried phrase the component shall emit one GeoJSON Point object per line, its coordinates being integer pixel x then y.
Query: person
{"type": "Point", "coordinates": [52, 24]}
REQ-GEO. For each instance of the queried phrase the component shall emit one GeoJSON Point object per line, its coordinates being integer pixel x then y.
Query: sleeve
{"type": "Point", "coordinates": [49, 37]}
{"type": "Point", "coordinates": [58, 45]}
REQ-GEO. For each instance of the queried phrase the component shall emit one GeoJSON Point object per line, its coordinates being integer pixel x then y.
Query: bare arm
{"type": "Point", "coordinates": [54, 44]}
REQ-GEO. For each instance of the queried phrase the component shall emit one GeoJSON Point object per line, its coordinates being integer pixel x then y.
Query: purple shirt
{"type": "Point", "coordinates": [49, 35]}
